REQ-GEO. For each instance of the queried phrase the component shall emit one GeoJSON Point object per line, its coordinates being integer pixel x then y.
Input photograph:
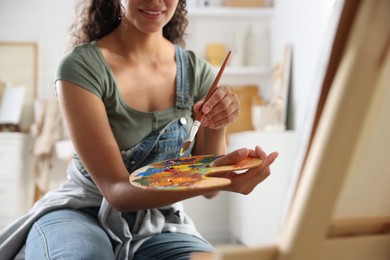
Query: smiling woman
{"type": "Point", "coordinates": [127, 91]}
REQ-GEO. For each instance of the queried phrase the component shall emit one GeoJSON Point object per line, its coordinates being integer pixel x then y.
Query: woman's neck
{"type": "Point", "coordinates": [136, 45]}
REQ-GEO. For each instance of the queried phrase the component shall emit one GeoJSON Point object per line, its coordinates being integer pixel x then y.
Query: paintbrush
{"type": "Point", "coordinates": [195, 126]}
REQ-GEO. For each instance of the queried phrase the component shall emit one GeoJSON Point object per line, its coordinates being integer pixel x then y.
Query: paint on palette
{"type": "Point", "coordinates": [178, 173]}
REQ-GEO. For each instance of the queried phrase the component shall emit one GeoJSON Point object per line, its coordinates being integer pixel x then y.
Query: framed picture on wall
{"type": "Point", "coordinates": [19, 68]}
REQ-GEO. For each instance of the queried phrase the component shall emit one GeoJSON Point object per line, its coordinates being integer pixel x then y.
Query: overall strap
{"type": "Point", "coordinates": [182, 83]}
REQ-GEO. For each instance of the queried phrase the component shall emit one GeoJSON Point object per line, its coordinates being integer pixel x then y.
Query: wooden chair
{"type": "Point", "coordinates": [341, 207]}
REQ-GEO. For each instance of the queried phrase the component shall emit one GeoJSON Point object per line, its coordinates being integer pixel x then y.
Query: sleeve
{"type": "Point", "coordinates": [78, 68]}
{"type": "Point", "coordinates": [203, 76]}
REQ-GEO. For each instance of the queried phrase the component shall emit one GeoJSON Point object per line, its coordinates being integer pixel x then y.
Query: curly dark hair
{"type": "Point", "coordinates": [94, 19]}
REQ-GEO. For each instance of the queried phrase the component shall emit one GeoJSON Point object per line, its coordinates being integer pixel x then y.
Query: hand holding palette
{"type": "Point", "coordinates": [185, 173]}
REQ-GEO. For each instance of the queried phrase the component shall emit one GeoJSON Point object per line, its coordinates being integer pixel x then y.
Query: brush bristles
{"type": "Point", "coordinates": [190, 137]}
{"type": "Point", "coordinates": [185, 147]}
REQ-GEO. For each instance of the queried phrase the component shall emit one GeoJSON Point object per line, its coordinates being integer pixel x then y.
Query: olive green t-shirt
{"type": "Point", "coordinates": [85, 66]}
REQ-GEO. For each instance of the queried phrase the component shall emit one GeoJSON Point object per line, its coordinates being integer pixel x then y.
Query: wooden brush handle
{"type": "Point", "coordinates": [214, 85]}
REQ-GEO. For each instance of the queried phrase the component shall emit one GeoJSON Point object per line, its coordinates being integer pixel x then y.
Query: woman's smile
{"type": "Point", "coordinates": [152, 13]}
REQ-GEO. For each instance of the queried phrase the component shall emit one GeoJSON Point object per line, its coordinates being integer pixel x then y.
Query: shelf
{"type": "Point", "coordinates": [230, 12]}
{"type": "Point", "coordinates": [217, 23]}
{"type": "Point", "coordinates": [245, 71]}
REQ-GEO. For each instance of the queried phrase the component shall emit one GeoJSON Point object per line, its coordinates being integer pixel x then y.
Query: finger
{"type": "Point", "coordinates": [257, 153]}
{"type": "Point", "coordinates": [265, 165]}
{"type": "Point", "coordinates": [232, 158]}
{"type": "Point", "coordinates": [267, 161]}
{"type": "Point", "coordinates": [213, 100]}
{"type": "Point", "coordinates": [221, 116]}
{"type": "Point", "coordinates": [260, 152]}
{"type": "Point", "coordinates": [222, 119]}
{"type": "Point", "coordinates": [252, 153]}
{"type": "Point", "coordinates": [221, 95]}
{"type": "Point", "coordinates": [225, 116]}
{"type": "Point", "coordinates": [197, 106]}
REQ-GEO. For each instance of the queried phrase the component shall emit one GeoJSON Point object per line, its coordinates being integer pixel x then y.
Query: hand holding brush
{"type": "Point", "coordinates": [195, 127]}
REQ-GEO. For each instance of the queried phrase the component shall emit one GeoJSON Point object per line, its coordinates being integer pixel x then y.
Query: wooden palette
{"type": "Point", "coordinates": [183, 173]}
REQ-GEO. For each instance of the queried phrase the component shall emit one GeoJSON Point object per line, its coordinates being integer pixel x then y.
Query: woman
{"type": "Point", "coordinates": [128, 94]}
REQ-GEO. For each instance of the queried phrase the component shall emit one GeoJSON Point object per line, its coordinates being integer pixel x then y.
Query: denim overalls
{"type": "Point", "coordinates": [166, 143]}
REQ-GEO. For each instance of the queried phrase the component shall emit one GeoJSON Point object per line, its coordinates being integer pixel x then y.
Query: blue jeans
{"type": "Point", "coordinates": [75, 234]}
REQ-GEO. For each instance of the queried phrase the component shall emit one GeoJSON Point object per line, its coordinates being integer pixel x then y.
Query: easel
{"type": "Point", "coordinates": [341, 208]}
